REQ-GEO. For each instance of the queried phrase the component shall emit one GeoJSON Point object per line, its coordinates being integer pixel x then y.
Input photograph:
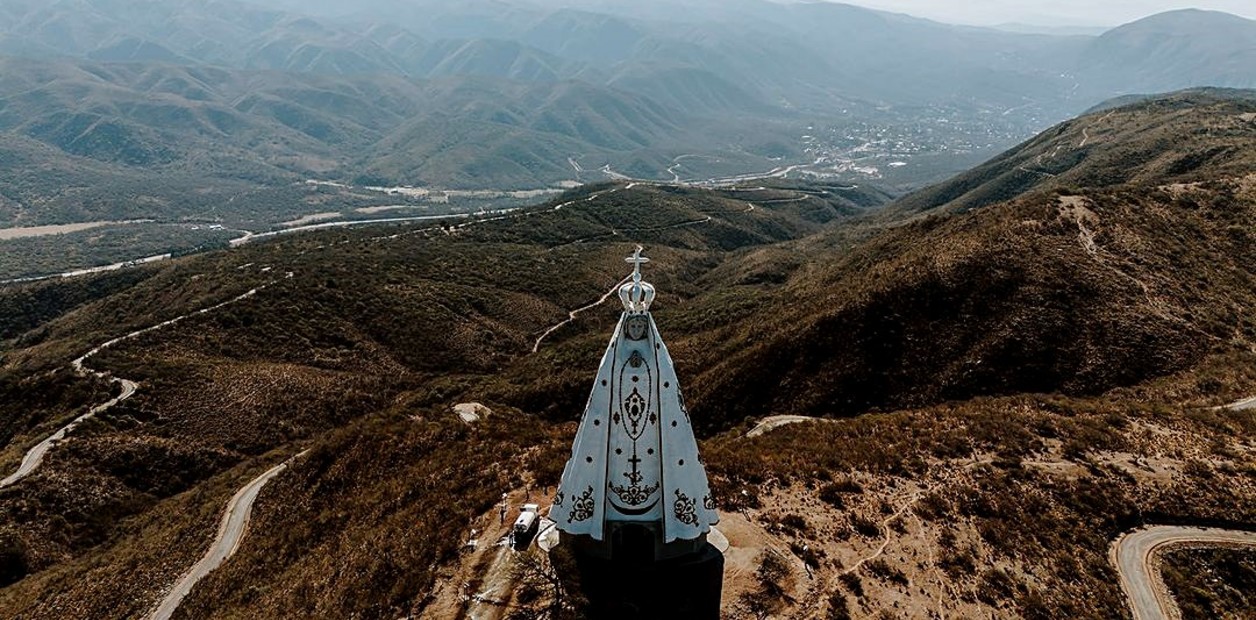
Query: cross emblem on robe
{"type": "Point", "coordinates": [634, 476]}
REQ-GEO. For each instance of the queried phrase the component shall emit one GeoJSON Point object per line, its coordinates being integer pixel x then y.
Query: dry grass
{"type": "Point", "coordinates": [1046, 376]}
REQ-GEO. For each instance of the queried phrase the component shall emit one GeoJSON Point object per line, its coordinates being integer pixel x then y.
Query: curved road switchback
{"type": "Point", "coordinates": [1136, 554]}
{"type": "Point", "coordinates": [231, 530]}
{"type": "Point", "coordinates": [35, 456]}
{"type": "Point", "coordinates": [571, 316]}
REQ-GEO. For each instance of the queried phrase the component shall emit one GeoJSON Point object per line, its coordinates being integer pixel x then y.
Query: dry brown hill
{"type": "Point", "coordinates": [1045, 362]}
{"type": "Point", "coordinates": [1086, 282]}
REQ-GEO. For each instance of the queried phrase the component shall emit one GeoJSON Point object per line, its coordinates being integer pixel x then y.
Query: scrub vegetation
{"type": "Point", "coordinates": [1002, 389]}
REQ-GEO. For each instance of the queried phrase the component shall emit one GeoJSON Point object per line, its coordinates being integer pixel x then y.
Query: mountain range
{"type": "Point", "coordinates": [801, 55]}
{"type": "Point", "coordinates": [490, 94]}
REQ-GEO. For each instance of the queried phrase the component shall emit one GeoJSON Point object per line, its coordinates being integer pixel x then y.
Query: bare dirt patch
{"type": "Point", "coordinates": [1075, 208]}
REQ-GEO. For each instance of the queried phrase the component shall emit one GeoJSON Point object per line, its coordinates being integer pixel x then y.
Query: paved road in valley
{"type": "Point", "coordinates": [467, 219]}
{"type": "Point", "coordinates": [234, 525]}
{"type": "Point", "coordinates": [250, 237]}
{"type": "Point", "coordinates": [1135, 556]}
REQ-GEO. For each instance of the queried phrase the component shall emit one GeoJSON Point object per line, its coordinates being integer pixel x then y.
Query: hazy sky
{"type": "Point", "coordinates": [1050, 12]}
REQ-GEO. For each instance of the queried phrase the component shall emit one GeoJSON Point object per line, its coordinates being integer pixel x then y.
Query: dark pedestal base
{"type": "Point", "coordinates": [686, 587]}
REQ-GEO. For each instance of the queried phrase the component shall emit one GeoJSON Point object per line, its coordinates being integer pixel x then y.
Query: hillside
{"type": "Point", "coordinates": [1173, 50]}
{"type": "Point", "coordinates": [435, 306]}
{"type": "Point", "coordinates": [222, 33]}
{"type": "Point", "coordinates": [1123, 256]}
{"type": "Point", "coordinates": [1061, 346]}
{"type": "Point", "coordinates": [1146, 140]}
{"type": "Point", "coordinates": [81, 133]}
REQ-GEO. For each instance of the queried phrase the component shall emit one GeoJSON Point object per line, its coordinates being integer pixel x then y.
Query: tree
{"type": "Point", "coordinates": [546, 588]}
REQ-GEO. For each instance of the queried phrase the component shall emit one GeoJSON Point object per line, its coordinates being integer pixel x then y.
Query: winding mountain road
{"type": "Point", "coordinates": [231, 530]}
{"type": "Point", "coordinates": [1136, 556]}
{"type": "Point", "coordinates": [90, 270]}
{"type": "Point", "coordinates": [251, 237]}
{"type": "Point", "coordinates": [35, 456]}
{"type": "Point", "coordinates": [780, 172]}
{"type": "Point", "coordinates": [571, 316]}
{"type": "Point", "coordinates": [468, 219]}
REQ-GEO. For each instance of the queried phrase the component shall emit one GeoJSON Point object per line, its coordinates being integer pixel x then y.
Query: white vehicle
{"type": "Point", "coordinates": [526, 525]}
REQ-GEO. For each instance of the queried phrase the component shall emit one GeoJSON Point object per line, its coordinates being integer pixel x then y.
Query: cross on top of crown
{"type": "Point", "coordinates": [637, 260]}
{"type": "Point", "coordinates": [636, 295]}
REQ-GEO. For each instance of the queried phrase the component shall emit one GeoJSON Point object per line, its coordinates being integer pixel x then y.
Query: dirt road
{"type": "Point", "coordinates": [571, 316]}
{"type": "Point", "coordinates": [777, 421]}
{"type": "Point", "coordinates": [35, 456]}
{"type": "Point", "coordinates": [231, 531]}
{"type": "Point", "coordinates": [1247, 404]}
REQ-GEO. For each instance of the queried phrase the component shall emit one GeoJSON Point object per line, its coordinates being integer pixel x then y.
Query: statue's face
{"type": "Point", "coordinates": [636, 327]}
